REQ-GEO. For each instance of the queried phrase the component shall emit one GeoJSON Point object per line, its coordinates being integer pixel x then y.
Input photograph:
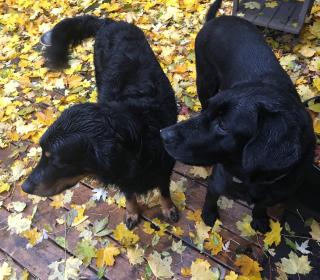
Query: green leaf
{"type": "Point", "coordinates": [290, 243]}
{"type": "Point", "coordinates": [61, 241]}
{"type": "Point", "coordinates": [85, 251]}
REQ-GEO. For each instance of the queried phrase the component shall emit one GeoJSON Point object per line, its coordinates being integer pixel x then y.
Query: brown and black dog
{"type": "Point", "coordinates": [118, 138]}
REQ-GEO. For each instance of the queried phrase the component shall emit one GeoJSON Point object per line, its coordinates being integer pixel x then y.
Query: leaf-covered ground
{"type": "Point", "coordinates": [87, 227]}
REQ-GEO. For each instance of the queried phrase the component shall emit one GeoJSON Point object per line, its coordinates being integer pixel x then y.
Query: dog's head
{"type": "Point", "coordinates": [85, 139]}
{"type": "Point", "coordinates": [252, 127]}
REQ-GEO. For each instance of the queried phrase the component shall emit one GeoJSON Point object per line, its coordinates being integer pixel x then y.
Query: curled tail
{"type": "Point", "coordinates": [213, 10]}
{"type": "Point", "coordinates": [66, 33]}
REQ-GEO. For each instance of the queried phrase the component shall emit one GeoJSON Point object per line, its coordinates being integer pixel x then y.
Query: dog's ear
{"type": "Point", "coordinates": [276, 143]}
{"type": "Point", "coordinates": [127, 128]}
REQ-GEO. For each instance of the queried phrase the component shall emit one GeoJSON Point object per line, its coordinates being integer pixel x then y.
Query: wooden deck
{"type": "Point", "coordinates": [35, 260]}
{"type": "Point", "coordinates": [281, 15]}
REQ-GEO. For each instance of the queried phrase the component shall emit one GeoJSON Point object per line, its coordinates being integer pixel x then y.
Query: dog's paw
{"type": "Point", "coordinates": [209, 218]}
{"type": "Point", "coordinates": [131, 220]}
{"type": "Point", "coordinates": [261, 224]}
{"type": "Point", "coordinates": [171, 214]}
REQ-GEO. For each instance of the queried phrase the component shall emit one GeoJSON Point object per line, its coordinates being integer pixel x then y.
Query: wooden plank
{"type": "Point", "coordinates": [293, 25]}
{"type": "Point", "coordinates": [265, 16]}
{"type": "Point", "coordinates": [17, 269]}
{"type": "Point", "coordinates": [282, 16]}
{"type": "Point", "coordinates": [250, 14]}
{"type": "Point", "coordinates": [116, 217]}
{"type": "Point", "coordinates": [36, 259]}
{"type": "Point", "coordinates": [47, 214]}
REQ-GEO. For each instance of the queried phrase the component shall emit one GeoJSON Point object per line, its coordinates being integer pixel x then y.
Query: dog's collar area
{"type": "Point", "coordinates": [267, 182]}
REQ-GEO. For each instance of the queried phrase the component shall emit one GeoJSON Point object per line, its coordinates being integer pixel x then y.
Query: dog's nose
{"type": "Point", "coordinates": [28, 187]}
{"type": "Point", "coordinates": [168, 135]}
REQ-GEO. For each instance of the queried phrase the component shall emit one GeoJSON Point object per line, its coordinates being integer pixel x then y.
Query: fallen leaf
{"type": "Point", "coordinates": [161, 267]}
{"type": "Point", "coordinates": [17, 223]}
{"type": "Point", "coordinates": [201, 172]}
{"type": "Point", "coordinates": [244, 226]}
{"type": "Point", "coordinates": [200, 270]}
{"type": "Point", "coordinates": [274, 236]}
{"type": "Point", "coordinates": [106, 256]}
{"type": "Point", "coordinates": [135, 255]}
{"type": "Point", "coordinates": [5, 271]}
{"type": "Point", "coordinates": [214, 244]}
{"type": "Point", "coordinates": [178, 247]}
{"type": "Point", "coordinates": [62, 270]}
{"type": "Point", "coordinates": [248, 267]}
{"type": "Point", "coordinates": [295, 264]}
{"type": "Point", "coordinates": [124, 236]}
{"type": "Point", "coordinates": [33, 236]}
{"type": "Point", "coordinates": [85, 251]}
{"type": "Point", "coordinates": [315, 230]}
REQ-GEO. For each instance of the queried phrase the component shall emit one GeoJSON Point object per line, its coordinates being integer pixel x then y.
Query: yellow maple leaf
{"type": "Point", "coordinates": [4, 187]}
{"type": "Point", "coordinates": [248, 267]}
{"type": "Point", "coordinates": [200, 270]}
{"type": "Point", "coordinates": [105, 256]}
{"type": "Point", "coordinates": [214, 243]}
{"type": "Point", "coordinates": [33, 236]}
{"type": "Point", "coordinates": [46, 118]}
{"type": "Point", "coordinates": [231, 276]}
{"type": "Point", "coordinates": [274, 236]}
{"type": "Point", "coordinates": [178, 231]}
{"type": "Point", "coordinates": [202, 233]}
{"type": "Point", "coordinates": [58, 201]}
{"type": "Point", "coordinates": [194, 215]}
{"type": "Point", "coordinates": [185, 271]}
{"type": "Point", "coordinates": [80, 217]}
{"type": "Point", "coordinates": [124, 236]}
{"type": "Point", "coordinates": [244, 226]}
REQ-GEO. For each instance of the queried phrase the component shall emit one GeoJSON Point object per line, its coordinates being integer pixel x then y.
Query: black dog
{"type": "Point", "coordinates": [253, 125]}
{"type": "Point", "coordinates": [117, 139]}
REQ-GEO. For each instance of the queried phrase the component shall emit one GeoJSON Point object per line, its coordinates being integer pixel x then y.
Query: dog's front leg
{"type": "Point", "coordinates": [260, 220]}
{"type": "Point", "coordinates": [169, 210]}
{"type": "Point", "coordinates": [210, 210]}
{"type": "Point", "coordinates": [131, 218]}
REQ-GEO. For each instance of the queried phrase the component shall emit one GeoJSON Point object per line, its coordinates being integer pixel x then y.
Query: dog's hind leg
{"type": "Point", "coordinates": [132, 211]}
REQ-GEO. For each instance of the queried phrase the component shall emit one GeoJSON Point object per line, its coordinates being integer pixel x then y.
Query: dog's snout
{"type": "Point", "coordinates": [28, 187]}
{"type": "Point", "coordinates": [169, 135]}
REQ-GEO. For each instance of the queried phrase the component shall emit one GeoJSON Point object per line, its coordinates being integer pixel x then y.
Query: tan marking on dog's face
{"type": "Point", "coordinates": [47, 154]}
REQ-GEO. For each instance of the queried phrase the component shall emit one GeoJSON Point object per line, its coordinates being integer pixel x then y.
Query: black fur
{"type": "Point", "coordinates": [117, 139]}
{"type": "Point", "coordinates": [253, 125]}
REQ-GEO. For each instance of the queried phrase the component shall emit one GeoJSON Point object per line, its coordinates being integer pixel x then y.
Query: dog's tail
{"type": "Point", "coordinates": [213, 10]}
{"type": "Point", "coordinates": [69, 32]}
